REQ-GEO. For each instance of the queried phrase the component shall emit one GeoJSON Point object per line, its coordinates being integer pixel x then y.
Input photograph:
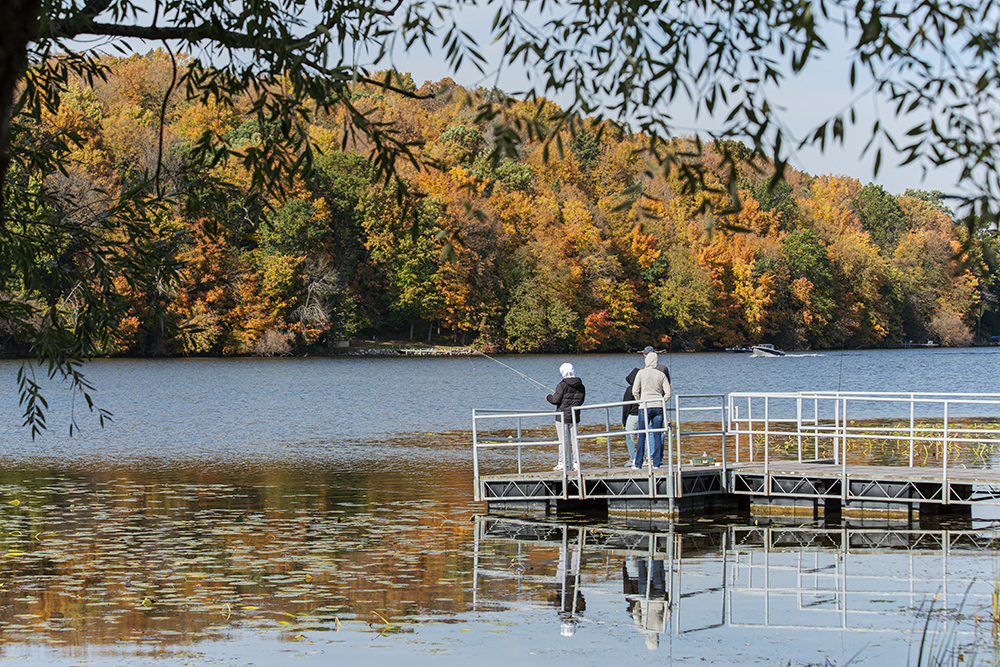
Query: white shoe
{"type": "Point", "coordinates": [558, 467]}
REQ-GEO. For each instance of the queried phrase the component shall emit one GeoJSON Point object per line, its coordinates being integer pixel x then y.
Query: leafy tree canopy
{"type": "Point", "coordinates": [881, 215]}
{"type": "Point", "coordinates": [66, 238]}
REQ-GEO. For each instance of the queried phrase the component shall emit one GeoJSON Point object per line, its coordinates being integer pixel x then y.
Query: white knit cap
{"type": "Point", "coordinates": [566, 370]}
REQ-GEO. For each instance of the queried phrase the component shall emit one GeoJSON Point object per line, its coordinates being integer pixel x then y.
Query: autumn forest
{"type": "Point", "coordinates": [575, 243]}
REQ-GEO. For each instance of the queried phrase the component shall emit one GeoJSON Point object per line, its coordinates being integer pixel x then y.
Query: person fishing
{"type": "Point", "coordinates": [651, 388]}
{"type": "Point", "coordinates": [630, 411]}
{"type": "Point", "coordinates": [570, 393]}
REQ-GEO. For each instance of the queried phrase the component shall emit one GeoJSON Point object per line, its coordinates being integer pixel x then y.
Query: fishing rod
{"type": "Point", "coordinates": [530, 379]}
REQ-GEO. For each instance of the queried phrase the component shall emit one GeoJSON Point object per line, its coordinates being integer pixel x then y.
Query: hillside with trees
{"type": "Point", "coordinates": [573, 242]}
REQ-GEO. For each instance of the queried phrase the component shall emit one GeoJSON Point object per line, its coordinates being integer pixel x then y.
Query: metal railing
{"type": "Point", "coordinates": [838, 427]}
{"type": "Point", "coordinates": [538, 432]}
{"type": "Point", "coordinates": [515, 431]}
{"type": "Point", "coordinates": [943, 432]}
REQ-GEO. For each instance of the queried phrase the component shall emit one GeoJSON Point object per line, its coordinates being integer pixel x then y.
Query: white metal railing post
{"type": "Point", "coordinates": [816, 427]}
{"type": "Point", "coordinates": [475, 458]}
{"type": "Point", "coordinates": [836, 431]}
{"type": "Point", "coordinates": [578, 463]}
{"type": "Point", "coordinates": [644, 411]}
{"type": "Point", "coordinates": [724, 418]}
{"type": "Point", "coordinates": [727, 413]}
{"type": "Point", "coordinates": [750, 426]}
{"type": "Point", "coordinates": [767, 442]}
{"type": "Point", "coordinates": [674, 429]}
{"type": "Point", "coordinates": [607, 429]}
{"type": "Point", "coordinates": [519, 440]}
{"type": "Point", "coordinates": [798, 423]}
{"type": "Point", "coordinates": [946, 489]}
{"type": "Point", "coordinates": [668, 444]}
{"type": "Point", "coordinates": [843, 456]}
{"type": "Point", "coordinates": [912, 425]}
{"type": "Point", "coordinates": [734, 417]}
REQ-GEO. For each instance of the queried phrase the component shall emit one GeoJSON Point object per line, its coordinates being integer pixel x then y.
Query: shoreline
{"type": "Point", "coordinates": [390, 350]}
{"type": "Point", "coordinates": [436, 351]}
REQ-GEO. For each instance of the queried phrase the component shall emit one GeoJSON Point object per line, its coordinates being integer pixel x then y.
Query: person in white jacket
{"type": "Point", "coordinates": [652, 389]}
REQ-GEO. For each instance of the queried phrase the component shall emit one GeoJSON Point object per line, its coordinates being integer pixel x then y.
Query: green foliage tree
{"type": "Point", "coordinates": [290, 229]}
{"type": "Point", "coordinates": [777, 197]}
{"type": "Point", "coordinates": [463, 142]}
{"type": "Point", "coordinates": [585, 146]}
{"type": "Point", "coordinates": [514, 175]}
{"type": "Point", "coordinates": [881, 215]}
{"type": "Point", "coordinates": [935, 198]}
{"type": "Point", "coordinates": [538, 321]}
{"type": "Point", "coordinates": [811, 278]}
{"type": "Point", "coordinates": [409, 261]}
{"type": "Point", "coordinates": [808, 258]}
{"type": "Point", "coordinates": [684, 298]}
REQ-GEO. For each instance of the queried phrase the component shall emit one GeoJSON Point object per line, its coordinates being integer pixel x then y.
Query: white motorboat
{"type": "Point", "coordinates": [766, 350]}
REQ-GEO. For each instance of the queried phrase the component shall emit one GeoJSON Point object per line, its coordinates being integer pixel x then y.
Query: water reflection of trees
{"type": "Point", "coordinates": [689, 579]}
{"type": "Point", "coordinates": [173, 556]}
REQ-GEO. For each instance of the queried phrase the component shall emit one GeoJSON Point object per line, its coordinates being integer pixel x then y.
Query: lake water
{"type": "Point", "coordinates": [318, 511]}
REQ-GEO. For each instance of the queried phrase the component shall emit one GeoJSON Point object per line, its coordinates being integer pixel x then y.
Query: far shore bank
{"type": "Point", "coordinates": [371, 348]}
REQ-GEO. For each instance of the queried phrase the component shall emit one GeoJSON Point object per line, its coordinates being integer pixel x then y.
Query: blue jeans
{"type": "Point", "coordinates": [651, 418]}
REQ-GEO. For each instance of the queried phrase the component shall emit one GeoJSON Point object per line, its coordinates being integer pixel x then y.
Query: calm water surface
{"type": "Point", "coordinates": [313, 511]}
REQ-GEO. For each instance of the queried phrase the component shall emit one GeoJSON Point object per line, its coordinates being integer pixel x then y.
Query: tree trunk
{"type": "Point", "coordinates": [412, 322]}
{"type": "Point", "coordinates": [18, 23]}
{"type": "Point", "coordinates": [430, 330]}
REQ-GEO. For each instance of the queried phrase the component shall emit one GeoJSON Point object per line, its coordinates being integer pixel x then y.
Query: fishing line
{"type": "Point", "coordinates": [529, 379]}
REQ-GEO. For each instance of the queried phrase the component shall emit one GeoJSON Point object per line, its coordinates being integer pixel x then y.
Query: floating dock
{"type": "Point", "coordinates": [796, 455]}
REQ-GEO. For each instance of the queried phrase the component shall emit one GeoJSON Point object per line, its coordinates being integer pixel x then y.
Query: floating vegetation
{"type": "Point", "coordinates": [152, 560]}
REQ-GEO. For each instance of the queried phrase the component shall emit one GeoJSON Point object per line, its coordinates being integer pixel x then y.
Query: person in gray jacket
{"type": "Point", "coordinates": [651, 388]}
{"type": "Point", "coordinates": [630, 413]}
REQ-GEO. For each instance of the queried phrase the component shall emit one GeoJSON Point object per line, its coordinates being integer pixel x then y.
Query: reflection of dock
{"type": "Point", "coordinates": [795, 455]}
{"type": "Point", "coordinates": [742, 576]}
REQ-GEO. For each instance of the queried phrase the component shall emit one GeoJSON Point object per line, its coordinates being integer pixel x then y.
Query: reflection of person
{"type": "Point", "coordinates": [650, 617]}
{"type": "Point", "coordinates": [646, 594]}
{"type": "Point", "coordinates": [650, 387]}
{"type": "Point", "coordinates": [570, 600]}
{"type": "Point", "coordinates": [570, 393]}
